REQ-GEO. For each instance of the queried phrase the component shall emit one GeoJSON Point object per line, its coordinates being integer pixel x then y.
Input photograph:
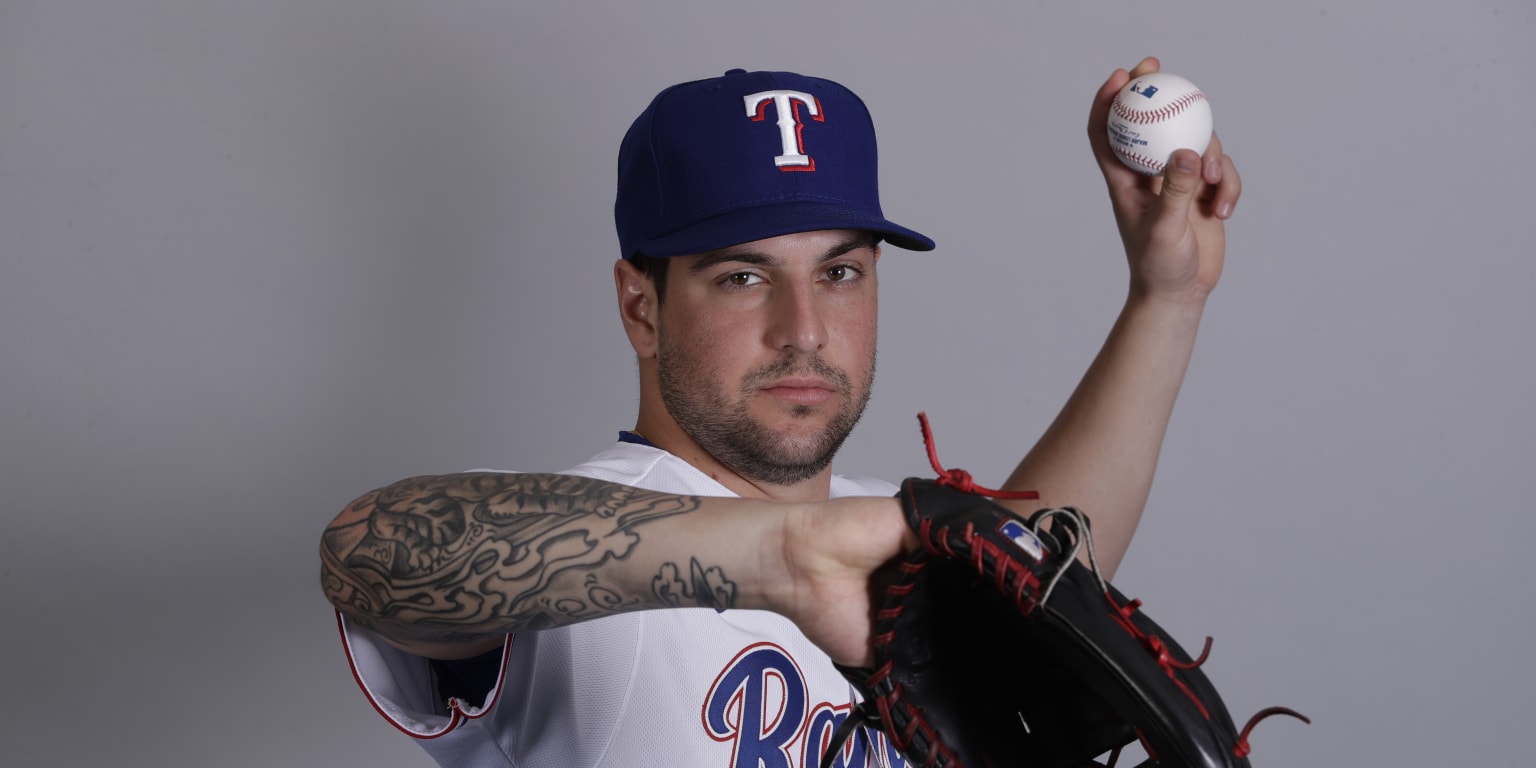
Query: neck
{"type": "Point", "coordinates": [664, 433]}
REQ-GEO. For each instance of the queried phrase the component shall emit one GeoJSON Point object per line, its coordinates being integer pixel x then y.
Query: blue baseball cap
{"type": "Point", "coordinates": [749, 155]}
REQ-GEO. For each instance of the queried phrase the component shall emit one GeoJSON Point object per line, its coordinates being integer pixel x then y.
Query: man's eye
{"type": "Point", "coordinates": [742, 279]}
{"type": "Point", "coordinates": [841, 273]}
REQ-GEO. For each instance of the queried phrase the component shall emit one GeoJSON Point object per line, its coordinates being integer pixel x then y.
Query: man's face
{"type": "Point", "coordinates": [766, 350]}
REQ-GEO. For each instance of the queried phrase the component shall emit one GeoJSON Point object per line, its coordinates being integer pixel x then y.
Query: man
{"type": "Point", "coordinates": [677, 599]}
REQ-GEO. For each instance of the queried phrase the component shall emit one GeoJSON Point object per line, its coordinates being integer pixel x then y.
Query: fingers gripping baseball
{"type": "Point", "coordinates": [1170, 230]}
{"type": "Point", "coordinates": [1180, 183]}
{"type": "Point", "coordinates": [1172, 223]}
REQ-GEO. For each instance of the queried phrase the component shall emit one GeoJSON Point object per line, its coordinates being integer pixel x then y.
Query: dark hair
{"type": "Point", "coordinates": [656, 270]}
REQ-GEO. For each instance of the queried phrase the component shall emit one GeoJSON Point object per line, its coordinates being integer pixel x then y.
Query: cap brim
{"type": "Point", "coordinates": [764, 221]}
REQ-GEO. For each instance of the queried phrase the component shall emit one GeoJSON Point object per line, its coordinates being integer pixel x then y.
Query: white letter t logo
{"type": "Point", "coordinates": [787, 105]}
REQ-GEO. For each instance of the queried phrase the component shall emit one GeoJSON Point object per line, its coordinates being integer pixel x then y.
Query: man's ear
{"type": "Point", "coordinates": [638, 308]}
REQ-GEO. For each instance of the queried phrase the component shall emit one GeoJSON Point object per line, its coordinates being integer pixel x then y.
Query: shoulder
{"type": "Point", "coordinates": [854, 485]}
{"type": "Point", "coordinates": [644, 466]}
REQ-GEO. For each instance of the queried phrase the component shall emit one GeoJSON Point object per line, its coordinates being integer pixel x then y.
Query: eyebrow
{"type": "Point", "coordinates": [760, 259]}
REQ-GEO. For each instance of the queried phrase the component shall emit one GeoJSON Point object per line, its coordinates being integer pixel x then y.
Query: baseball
{"type": "Point", "coordinates": [1154, 115]}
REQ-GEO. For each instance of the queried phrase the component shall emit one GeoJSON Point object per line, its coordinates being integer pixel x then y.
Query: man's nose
{"type": "Point", "coordinates": [797, 323]}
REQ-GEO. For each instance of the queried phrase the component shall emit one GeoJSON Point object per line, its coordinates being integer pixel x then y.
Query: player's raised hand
{"type": "Point", "coordinates": [1172, 225]}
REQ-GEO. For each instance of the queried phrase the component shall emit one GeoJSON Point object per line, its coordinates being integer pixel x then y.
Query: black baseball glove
{"type": "Point", "coordinates": [996, 648]}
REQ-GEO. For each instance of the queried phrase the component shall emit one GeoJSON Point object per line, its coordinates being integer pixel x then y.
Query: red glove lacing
{"type": "Point", "coordinates": [1241, 750]}
{"type": "Point", "coordinates": [1159, 649]}
{"type": "Point", "coordinates": [960, 479]}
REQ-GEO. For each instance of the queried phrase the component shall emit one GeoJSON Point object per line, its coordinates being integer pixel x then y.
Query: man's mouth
{"type": "Point", "coordinates": [800, 390]}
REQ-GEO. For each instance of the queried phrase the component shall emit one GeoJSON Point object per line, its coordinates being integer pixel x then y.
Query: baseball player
{"type": "Point", "coordinates": [679, 599]}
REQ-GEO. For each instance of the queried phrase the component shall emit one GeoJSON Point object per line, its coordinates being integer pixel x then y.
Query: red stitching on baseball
{"type": "Point", "coordinates": [1144, 116]}
{"type": "Point", "coordinates": [1141, 160]}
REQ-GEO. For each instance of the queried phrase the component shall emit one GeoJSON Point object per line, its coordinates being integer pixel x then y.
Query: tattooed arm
{"type": "Point", "coordinates": [446, 566]}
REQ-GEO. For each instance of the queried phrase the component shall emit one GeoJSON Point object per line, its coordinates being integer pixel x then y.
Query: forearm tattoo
{"type": "Point", "coordinates": [447, 558]}
{"type": "Point", "coordinates": [706, 587]}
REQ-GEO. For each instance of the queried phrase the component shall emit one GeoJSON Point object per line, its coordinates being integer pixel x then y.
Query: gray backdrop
{"type": "Point", "coordinates": [256, 258]}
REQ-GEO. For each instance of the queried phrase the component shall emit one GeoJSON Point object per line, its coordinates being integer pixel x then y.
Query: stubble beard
{"type": "Point", "coordinates": [726, 430]}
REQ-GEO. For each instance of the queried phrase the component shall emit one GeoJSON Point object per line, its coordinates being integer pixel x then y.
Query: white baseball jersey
{"type": "Point", "coordinates": [681, 687]}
